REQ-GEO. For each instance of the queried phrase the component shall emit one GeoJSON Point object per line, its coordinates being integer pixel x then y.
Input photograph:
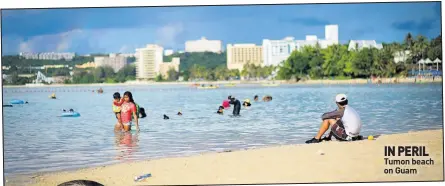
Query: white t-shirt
{"type": "Point", "coordinates": [351, 121]}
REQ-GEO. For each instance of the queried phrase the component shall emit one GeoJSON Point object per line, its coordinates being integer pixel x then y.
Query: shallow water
{"type": "Point", "coordinates": [35, 139]}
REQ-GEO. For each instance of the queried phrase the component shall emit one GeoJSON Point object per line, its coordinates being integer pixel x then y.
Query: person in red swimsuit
{"type": "Point", "coordinates": [128, 112]}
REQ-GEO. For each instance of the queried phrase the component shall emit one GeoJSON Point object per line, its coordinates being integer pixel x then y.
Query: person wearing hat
{"type": "Point", "coordinates": [246, 103]}
{"type": "Point", "coordinates": [345, 122]}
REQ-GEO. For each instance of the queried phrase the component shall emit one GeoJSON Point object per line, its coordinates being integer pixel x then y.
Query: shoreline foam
{"type": "Point", "coordinates": [361, 161]}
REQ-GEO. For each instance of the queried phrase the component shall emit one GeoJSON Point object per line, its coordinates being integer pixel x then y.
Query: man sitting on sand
{"type": "Point", "coordinates": [345, 122]}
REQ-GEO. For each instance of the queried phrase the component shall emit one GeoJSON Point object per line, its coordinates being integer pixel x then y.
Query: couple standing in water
{"type": "Point", "coordinates": [125, 110]}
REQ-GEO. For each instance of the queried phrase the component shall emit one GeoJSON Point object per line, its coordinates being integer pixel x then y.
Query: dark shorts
{"type": "Point", "coordinates": [338, 131]}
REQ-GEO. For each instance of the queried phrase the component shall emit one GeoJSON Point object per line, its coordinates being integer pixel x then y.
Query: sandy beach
{"type": "Point", "coordinates": [333, 161]}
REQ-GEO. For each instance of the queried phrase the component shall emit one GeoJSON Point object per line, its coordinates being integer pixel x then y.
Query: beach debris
{"type": "Point", "coordinates": [227, 150]}
{"type": "Point", "coordinates": [370, 137]}
{"type": "Point", "coordinates": [320, 152]}
{"type": "Point", "coordinates": [142, 177]}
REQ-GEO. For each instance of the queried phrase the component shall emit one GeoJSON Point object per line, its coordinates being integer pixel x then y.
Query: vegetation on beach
{"type": "Point", "coordinates": [337, 61]}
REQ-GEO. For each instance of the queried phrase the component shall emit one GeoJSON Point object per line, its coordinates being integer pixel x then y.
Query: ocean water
{"type": "Point", "coordinates": [36, 139]}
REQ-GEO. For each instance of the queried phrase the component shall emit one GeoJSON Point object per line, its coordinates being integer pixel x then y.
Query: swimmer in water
{"type": "Point", "coordinates": [267, 98]}
{"type": "Point", "coordinates": [246, 103]}
{"type": "Point", "coordinates": [166, 117]}
{"type": "Point", "coordinates": [179, 113]}
{"type": "Point", "coordinates": [220, 110]}
{"type": "Point", "coordinates": [236, 105]}
{"type": "Point", "coordinates": [255, 98]}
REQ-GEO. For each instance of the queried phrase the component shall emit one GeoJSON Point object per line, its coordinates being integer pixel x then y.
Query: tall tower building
{"type": "Point", "coordinates": [331, 33]}
{"type": "Point", "coordinates": [148, 61]}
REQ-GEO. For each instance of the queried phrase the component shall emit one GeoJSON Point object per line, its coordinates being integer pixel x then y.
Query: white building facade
{"type": "Point", "coordinates": [360, 44]}
{"type": "Point", "coordinates": [48, 56]}
{"type": "Point", "coordinates": [114, 61]}
{"type": "Point", "coordinates": [148, 61]}
{"type": "Point", "coordinates": [277, 51]}
{"type": "Point", "coordinates": [203, 45]}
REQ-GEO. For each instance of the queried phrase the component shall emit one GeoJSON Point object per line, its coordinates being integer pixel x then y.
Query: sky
{"type": "Point", "coordinates": [113, 30]}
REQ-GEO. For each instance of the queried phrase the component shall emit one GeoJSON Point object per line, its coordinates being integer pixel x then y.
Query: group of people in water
{"type": "Point", "coordinates": [344, 122]}
{"type": "Point", "coordinates": [237, 104]}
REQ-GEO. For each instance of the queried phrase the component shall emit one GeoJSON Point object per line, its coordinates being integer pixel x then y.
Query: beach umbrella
{"type": "Point", "coordinates": [421, 61]}
{"type": "Point", "coordinates": [437, 61]}
{"type": "Point", "coordinates": [427, 61]}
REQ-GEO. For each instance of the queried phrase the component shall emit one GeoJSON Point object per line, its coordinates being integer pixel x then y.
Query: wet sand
{"type": "Point", "coordinates": [333, 161]}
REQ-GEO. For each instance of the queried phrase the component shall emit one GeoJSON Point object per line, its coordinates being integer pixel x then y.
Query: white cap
{"type": "Point", "coordinates": [340, 98]}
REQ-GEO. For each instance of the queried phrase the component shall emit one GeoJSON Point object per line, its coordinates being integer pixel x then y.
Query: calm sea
{"type": "Point", "coordinates": [36, 139]}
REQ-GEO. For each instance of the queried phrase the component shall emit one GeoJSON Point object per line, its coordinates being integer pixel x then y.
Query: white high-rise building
{"type": "Point", "coordinates": [148, 61]}
{"type": "Point", "coordinates": [277, 51]}
{"type": "Point", "coordinates": [203, 45]}
{"type": "Point", "coordinates": [331, 33]}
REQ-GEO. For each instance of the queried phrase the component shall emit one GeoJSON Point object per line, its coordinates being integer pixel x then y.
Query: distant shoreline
{"type": "Point", "coordinates": [242, 82]}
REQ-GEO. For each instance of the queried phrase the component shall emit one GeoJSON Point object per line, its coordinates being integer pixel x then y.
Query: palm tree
{"type": "Point", "coordinates": [408, 41]}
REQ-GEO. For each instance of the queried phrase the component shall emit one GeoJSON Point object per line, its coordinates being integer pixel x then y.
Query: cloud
{"type": "Point", "coordinates": [50, 43]}
{"type": "Point", "coordinates": [417, 26]}
{"type": "Point", "coordinates": [170, 35]}
{"type": "Point", "coordinates": [308, 21]}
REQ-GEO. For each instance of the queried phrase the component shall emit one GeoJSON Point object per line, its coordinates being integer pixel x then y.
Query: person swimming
{"type": "Point", "coordinates": [246, 103]}
{"type": "Point", "coordinates": [255, 98]}
{"type": "Point", "coordinates": [220, 110]}
{"type": "Point", "coordinates": [166, 117]}
{"type": "Point", "coordinates": [236, 105]}
{"type": "Point", "coordinates": [70, 110]}
{"type": "Point", "coordinates": [267, 98]}
{"type": "Point", "coordinates": [141, 112]}
{"type": "Point", "coordinates": [179, 113]}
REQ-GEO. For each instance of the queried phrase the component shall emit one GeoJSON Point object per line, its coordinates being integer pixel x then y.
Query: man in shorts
{"type": "Point", "coordinates": [345, 123]}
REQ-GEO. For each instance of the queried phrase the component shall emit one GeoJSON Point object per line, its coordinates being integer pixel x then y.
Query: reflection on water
{"type": "Point", "coordinates": [36, 139]}
{"type": "Point", "coordinates": [126, 143]}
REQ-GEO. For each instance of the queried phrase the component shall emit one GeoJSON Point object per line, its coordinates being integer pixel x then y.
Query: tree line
{"type": "Point", "coordinates": [337, 61]}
